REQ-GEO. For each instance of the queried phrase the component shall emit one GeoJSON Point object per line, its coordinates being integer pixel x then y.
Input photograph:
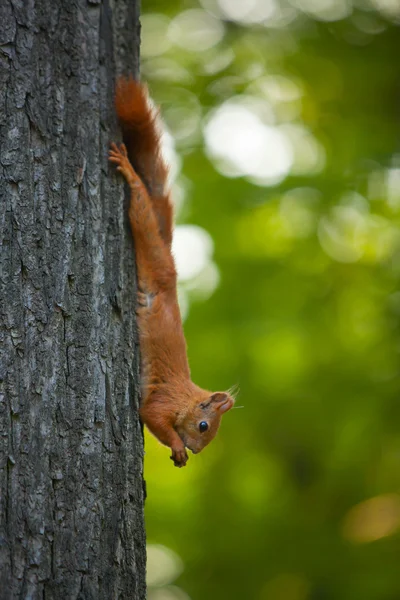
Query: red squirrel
{"type": "Point", "coordinates": [179, 413]}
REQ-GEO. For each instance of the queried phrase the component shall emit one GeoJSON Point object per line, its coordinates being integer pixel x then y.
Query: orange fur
{"type": "Point", "coordinates": [142, 139]}
{"type": "Point", "coordinates": [172, 405]}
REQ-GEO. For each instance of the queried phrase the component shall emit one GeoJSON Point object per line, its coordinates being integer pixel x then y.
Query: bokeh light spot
{"type": "Point", "coordinates": [242, 145]}
{"type": "Point", "coordinates": [171, 592]}
{"type": "Point", "coordinates": [325, 10]}
{"type": "Point", "coordinates": [373, 519]}
{"type": "Point", "coordinates": [308, 153]}
{"type": "Point", "coordinates": [388, 8]}
{"type": "Point", "coordinates": [350, 233]}
{"type": "Point", "coordinates": [251, 11]}
{"type": "Point", "coordinates": [192, 247]}
{"type": "Point", "coordinates": [154, 39]}
{"type": "Point", "coordinates": [195, 30]}
{"type": "Point", "coordinates": [163, 565]}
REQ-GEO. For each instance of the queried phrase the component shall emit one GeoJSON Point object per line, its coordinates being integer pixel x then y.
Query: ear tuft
{"type": "Point", "coordinates": [222, 401]}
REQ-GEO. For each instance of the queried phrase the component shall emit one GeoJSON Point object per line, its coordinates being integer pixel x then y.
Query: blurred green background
{"type": "Point", "coordinates": [284, 143]}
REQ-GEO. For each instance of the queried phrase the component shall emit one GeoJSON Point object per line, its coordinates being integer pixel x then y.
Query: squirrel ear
{"type": "Point", "coordinates": [222, 401]}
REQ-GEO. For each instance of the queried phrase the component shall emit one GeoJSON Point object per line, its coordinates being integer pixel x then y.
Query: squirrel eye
{"type": "Point", "coordinates": [203, 426]}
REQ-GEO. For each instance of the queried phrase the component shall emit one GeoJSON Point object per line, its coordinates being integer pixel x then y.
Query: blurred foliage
{"type": "Point", "coordinates": [298, 497]}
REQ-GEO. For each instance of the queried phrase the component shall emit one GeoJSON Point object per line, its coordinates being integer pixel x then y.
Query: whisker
{"type": "Point", "coordinates": [234, 391]}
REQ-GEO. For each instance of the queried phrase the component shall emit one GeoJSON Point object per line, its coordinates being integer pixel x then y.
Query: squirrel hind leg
{"type": "Point", "coordinates": [165, 216]}
{"type": "Point", "coordinates": [155, 264]}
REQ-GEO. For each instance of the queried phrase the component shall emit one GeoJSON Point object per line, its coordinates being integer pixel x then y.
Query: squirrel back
{"type": "Point", "coordinates": [138, 122]}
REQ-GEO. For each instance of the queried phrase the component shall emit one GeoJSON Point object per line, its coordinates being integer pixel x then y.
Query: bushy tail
{"type": "Point", "coordinates": [138, 122]}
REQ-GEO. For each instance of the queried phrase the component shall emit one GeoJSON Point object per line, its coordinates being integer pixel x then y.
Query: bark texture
{"type": "Point", "coordinates": [71, 448]}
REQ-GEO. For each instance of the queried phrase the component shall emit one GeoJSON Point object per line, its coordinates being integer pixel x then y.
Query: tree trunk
{"type": "Point", "coordinates": [71, 448]}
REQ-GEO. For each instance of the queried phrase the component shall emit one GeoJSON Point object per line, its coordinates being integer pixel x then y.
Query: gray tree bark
{"type": "Point", "coordinates": [71, 448]}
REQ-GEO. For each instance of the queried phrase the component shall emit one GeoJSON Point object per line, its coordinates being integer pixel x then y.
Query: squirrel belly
{"type": "Point", "coordinates": [179, 413]}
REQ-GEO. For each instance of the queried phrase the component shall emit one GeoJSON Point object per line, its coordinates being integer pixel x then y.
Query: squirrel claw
{"type": "Point", "coordinates": [119, 157]}
{"type": "Point", "coordinates": [179, 457]}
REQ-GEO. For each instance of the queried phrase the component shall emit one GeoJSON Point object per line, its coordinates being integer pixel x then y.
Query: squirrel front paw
{"type": "Point", "coordinates": [119, 156]}
{"type": "Point", "coordinates": [179, 456]}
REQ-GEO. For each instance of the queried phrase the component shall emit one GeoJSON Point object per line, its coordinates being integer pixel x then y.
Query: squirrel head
{"type": "Point", "coordinates": [201, 422]}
